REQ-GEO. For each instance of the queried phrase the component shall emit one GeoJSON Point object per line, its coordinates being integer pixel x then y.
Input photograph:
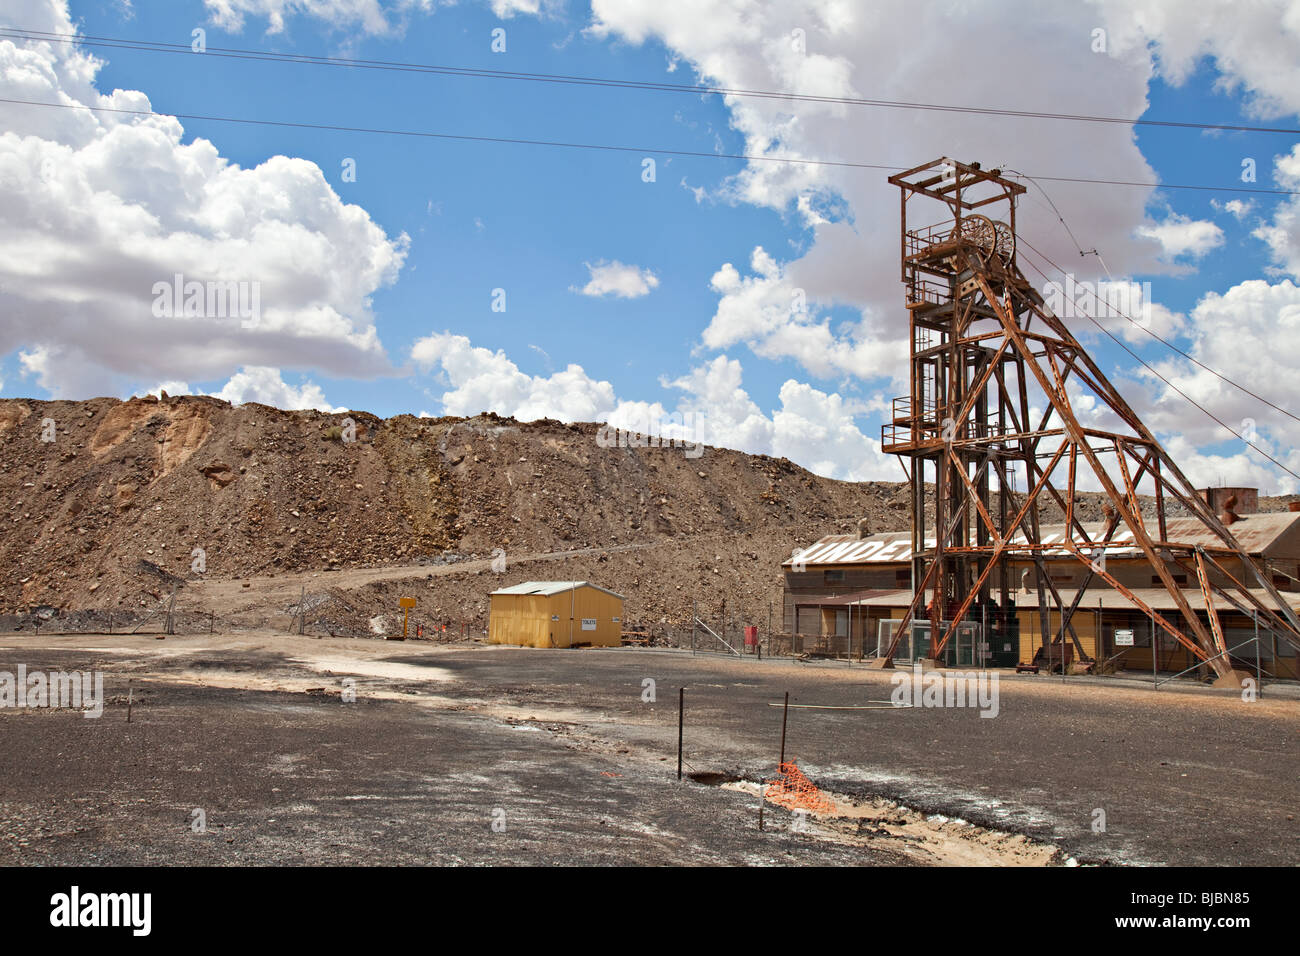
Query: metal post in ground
{"type": "Point", "coordinates": [1258, 684]}
{"type": "Point", "coordinates": [692, 628]}
{"type": "Point", "coordinates": [1258, 688]}
{"type": "Point", "coordinates": [1155, 680]}
{"type": "Point", "coordinates": [681, 723]}
{"type": "Point", "coordinates": [848, 653]}
{"type": "Point", "coordinates": [1273, 638]}
{"type": "Point", "coordinates": [785, 716]}
{"type": "Point", "coordinates": [170, 627]}
{"type": "Point", "coordinates": [983, 643]}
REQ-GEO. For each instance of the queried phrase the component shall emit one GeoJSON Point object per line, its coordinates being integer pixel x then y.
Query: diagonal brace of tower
{"type": "Point", "coordinates": [992, 376]}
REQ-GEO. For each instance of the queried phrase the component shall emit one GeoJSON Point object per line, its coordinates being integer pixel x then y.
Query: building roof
{"type": "Point", "coordinates": [549, 588]}
{"type": "Point", "coordinates": [854, 598]}
{"type": "Point", "coordinates": [1258, 534]}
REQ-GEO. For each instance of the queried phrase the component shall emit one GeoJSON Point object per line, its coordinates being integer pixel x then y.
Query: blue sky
{"type": "Point", "coordinates": [461, 219]}
{"type": "Point", "coordinates": [485, 216]}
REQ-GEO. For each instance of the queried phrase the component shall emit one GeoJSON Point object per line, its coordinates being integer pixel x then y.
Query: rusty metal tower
{"type": "Point", "coordinates": [992, 371]}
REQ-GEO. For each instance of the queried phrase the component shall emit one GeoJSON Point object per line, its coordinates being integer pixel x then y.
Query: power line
{"type": "Point", "coordinates": [1159, 338]}
{"type": "Point", "coordinates": [1128, 182]}
{"type": "Point", "coordinates": [657, 150]}
{"type": "Point", "coordinates": [1165, 342]}
{"type": "Point", "coordinates": [1059, 215]}
{"type": "Point", "coordinates": [648, 85]}
{"type": "Point", "coordinates": [1209, 414]}
{"type": "Point", "coordinates": [1154, 335]}
{"type": "Point", "coordinates": [455, 136]}
{"type": "Point", "coordinates": [165, 47]}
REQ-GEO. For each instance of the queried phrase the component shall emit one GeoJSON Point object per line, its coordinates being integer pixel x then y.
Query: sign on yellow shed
{"type": "Point", "coordinates": [556, 614]}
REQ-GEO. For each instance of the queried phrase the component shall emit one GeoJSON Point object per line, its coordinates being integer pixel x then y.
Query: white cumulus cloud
{"type": "Point", "coordinates": [1282, 233]}
{"type": "Point", "coordinates": [619, 280]}
{"type": "Point", "coordinates": [267, 386]}
{"type": "Point", "coordinates": [368, 16]}
{"type": "Point", "coordinates": [482, 380]}
{"type": "Point", "coordinates": [1183, 236]}
{"type": "Point", "coordinates": [813, 427]}
{"type": "Point", "coordinates": [97, 209]}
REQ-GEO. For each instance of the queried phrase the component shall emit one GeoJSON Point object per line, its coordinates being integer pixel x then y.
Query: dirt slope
{"type": "Point", "coordinates": [109, 513]}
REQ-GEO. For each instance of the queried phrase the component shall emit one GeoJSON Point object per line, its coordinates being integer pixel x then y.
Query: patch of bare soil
{"type": "Point", "coordinates": [931, 840]}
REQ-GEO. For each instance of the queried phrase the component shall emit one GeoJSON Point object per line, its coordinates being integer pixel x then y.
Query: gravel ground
{"type": "Point", "coordinates": [561, 748]}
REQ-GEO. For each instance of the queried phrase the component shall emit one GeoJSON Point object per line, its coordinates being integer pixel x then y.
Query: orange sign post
{"type": "Point", "coordinates": [407, 604]}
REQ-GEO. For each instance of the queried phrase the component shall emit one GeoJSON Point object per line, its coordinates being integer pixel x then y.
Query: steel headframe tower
{"type": "Point", "coordinates": [986, 355]}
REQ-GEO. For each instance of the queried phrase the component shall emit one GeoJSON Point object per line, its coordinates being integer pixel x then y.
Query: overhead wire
{"type": "Point", "coordinates": [429, 134]}
{"type": "Point", "coordinates": [1163, 341]}
{"type": "Point", "coordinates": [609, 147]}
{"type": "Point", "coordinates": [649, 85]}
{"type": "Point", "coordinates": [1136, 324]}
{"type": "Point", "coordinates": [1205, 411]}
{"type": "Point", "coordinates": [157, 46]}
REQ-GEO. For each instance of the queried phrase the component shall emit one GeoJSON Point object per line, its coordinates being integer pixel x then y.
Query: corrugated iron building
{"type": "Point", "coordinates": [556, 614]}
{"type": "Point", "coordinates": [844, 590]}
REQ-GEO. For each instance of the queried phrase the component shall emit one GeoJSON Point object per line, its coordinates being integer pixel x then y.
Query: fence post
{"type": "Point", "coordinates": [984, 644]}
{"type": "Point", "coordinates": [169, 625]}
{"type": "Point", "coordinates": [1155, 679]}
{"type": "Point", "coordinates": [1258, 686]}
{"type": "Point", "coordinates": [681, 723]}
{"type": "Point", "coordinates": [848, 651]}
{"type": "Point", "coordinates": [785, 716]}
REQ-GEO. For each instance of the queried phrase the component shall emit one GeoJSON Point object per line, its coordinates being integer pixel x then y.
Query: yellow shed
{"type": "Point", "coordinates": [556, 614]}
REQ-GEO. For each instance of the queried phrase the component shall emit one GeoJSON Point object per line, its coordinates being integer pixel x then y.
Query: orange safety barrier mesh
{"type": "Point", "coordinates": [794, 791]}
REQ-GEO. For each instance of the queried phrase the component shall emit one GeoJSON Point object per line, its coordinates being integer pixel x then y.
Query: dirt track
{"type": "Point", "coordinates": [261, 595]}
{"type": "Point", "coordinates": [252, 730]}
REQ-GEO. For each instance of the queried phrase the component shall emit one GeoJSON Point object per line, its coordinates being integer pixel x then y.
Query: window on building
{"type": "Point", "coordinates": [834, 577]}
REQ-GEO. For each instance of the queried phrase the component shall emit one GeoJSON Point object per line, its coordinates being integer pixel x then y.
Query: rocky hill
{"type": "Point", "coordinates": [109, 505]}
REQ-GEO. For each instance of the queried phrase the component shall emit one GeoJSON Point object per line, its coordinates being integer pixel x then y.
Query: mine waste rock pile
{"type": "Point", "coordinates": [110, 506]}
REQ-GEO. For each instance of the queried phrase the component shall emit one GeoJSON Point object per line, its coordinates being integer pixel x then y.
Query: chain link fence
{"type": "Point", "coordinates": [141, 621]}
